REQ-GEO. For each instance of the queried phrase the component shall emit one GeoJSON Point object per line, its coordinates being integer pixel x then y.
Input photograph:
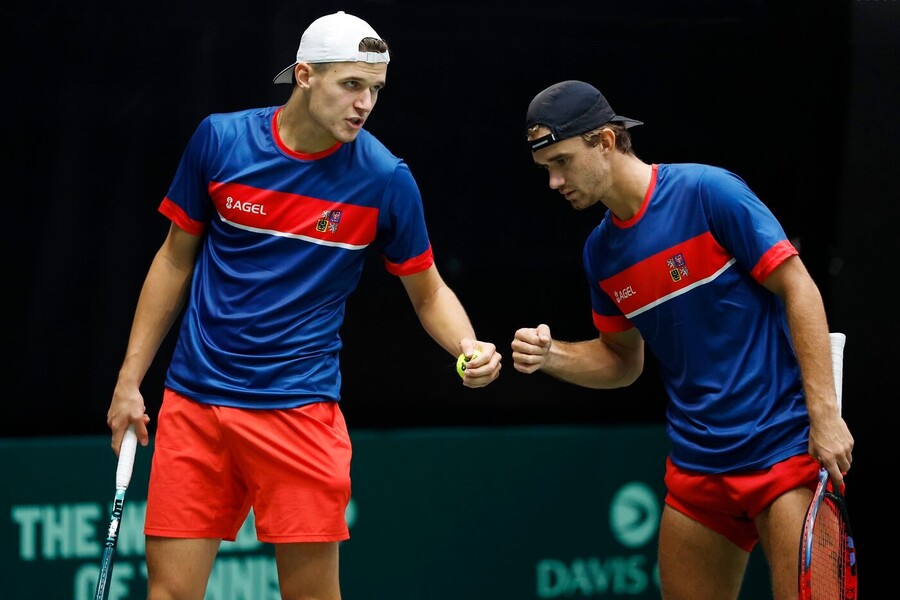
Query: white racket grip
{"type": "Point", "coordinates": [126, 458]}
{"type": "Point", "coordinates": [837, 363]}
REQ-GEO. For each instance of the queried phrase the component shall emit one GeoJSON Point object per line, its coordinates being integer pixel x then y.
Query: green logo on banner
{"type": "Point", "coordinates": [634, 514]}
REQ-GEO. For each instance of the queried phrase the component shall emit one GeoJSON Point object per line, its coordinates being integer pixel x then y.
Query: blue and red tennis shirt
{"type": "Point", "coordinates": [286, 236]}
{"type": "Point", "coordinates": [686, 271]}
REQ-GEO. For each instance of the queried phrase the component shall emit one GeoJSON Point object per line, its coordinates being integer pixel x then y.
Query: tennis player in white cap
{"type": "Point", "coordinates": [272, 212]}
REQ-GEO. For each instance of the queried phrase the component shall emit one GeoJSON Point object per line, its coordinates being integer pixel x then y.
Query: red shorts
{"type": "Point", "coordinates": [211, 464]}
{"type": "Point", "coordinates": [727, 504]}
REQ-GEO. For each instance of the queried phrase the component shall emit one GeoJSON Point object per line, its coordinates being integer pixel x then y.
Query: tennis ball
{"type": "Point", "coordinates": [461, 363]}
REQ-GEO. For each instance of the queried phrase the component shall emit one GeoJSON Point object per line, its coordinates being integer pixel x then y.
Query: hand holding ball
{"type": "Point", "coordinates": [462, 361]}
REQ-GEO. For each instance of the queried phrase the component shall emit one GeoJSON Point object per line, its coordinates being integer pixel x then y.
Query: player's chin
{"type": "Point", "coordinates": [345, 137]}
{"type": "Point", "coordinates": [348, 131]}
{"type": "Point", "coordinates": [581, 204]}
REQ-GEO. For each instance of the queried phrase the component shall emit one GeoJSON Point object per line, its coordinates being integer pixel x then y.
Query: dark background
{"type": "Point", "coordinates": [799, 97]}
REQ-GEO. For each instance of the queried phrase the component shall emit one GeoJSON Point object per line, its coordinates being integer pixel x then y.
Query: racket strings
{"type": "Point", "coordinates": [829, 561]}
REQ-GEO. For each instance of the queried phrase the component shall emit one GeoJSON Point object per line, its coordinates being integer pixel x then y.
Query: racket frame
{"type": "Point", "coordinates": [825, 489]}
{"type": "Point", "coordinates": [124, 468]}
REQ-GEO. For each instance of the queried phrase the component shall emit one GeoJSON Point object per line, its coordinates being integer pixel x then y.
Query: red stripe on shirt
{"type": "Point", "coordinates": [295, 214]}
{"type": "Point", "coordinates": [411, 266]}
{"type": "Point", "coordinates": [666, 272]}
{"type": "Point", "coordinates": [776, 255]}
{"type": "Point", "coordinates": [611, 324]}
{"type": "Point", "coordinates": [177, 215]}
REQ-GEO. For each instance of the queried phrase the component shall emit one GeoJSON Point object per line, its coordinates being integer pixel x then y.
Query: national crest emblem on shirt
{"type": "Point", "coordinates": [677, 267]}
{"type": "Point", "coordinates": [329, 221]}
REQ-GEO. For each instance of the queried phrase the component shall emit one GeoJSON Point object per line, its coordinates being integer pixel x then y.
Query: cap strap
{"type": "Point", "coordinates": [374, 57]}
{"type": "Point", "coordinates": [546, 140]}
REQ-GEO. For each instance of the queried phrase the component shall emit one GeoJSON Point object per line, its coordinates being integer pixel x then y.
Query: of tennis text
{"type": "Point", "coordinates": [76, 532]}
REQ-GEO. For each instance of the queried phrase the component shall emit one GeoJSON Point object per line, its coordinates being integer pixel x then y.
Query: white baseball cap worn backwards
{"type": "Point", "coordinates": [334, 38]}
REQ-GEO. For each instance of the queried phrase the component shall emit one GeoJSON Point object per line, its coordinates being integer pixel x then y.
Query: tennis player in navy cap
{"type": "Point", "coordinates": [689, 263]}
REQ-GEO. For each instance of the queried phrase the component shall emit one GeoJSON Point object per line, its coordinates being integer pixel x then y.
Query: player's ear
{"type": "Point", "coordinates": [607, 139]}
{"type": "Point", "coordinates": [302, 72]}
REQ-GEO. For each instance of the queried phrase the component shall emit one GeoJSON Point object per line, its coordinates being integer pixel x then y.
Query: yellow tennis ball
{"type": "Point", "coordinates": [462, 361]}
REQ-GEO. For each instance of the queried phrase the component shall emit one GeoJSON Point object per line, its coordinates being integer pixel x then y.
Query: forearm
{"type": "Point", "coordinates": [444, 319]}
{"type": "Point", "coordinates": [808, 326]}
{"type": "Point", "coordinates": [159, 304]}
{"type": "Point", "coordinates": [592, 364]}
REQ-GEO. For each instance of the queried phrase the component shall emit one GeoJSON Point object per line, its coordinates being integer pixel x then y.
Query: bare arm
{"type": "Point", "coordinates": [162, 296]}
{"type": "Point", "coordinates": [830, 440]}
{"type": "Point", "coordinates": [445, 320]}
{"type": "Point", "coordinates": [611, 360]}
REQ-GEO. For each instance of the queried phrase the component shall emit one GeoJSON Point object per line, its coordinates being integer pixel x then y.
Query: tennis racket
{"type": "Point", "coordinates": [123, 478]}
{"type": "Point", "coordinates": [827, 553]}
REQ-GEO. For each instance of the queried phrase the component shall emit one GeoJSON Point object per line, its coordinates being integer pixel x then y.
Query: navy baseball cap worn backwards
{"type": "Point", "coordinates": [570, 108]}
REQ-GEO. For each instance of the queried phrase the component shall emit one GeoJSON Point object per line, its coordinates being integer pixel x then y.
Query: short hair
{"type": "Point", "coordinates": [592, 138]}
{"type": "Point", "coordinates": [367, 44]}
{"type": "Point", "coordinates": [623, 137]}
